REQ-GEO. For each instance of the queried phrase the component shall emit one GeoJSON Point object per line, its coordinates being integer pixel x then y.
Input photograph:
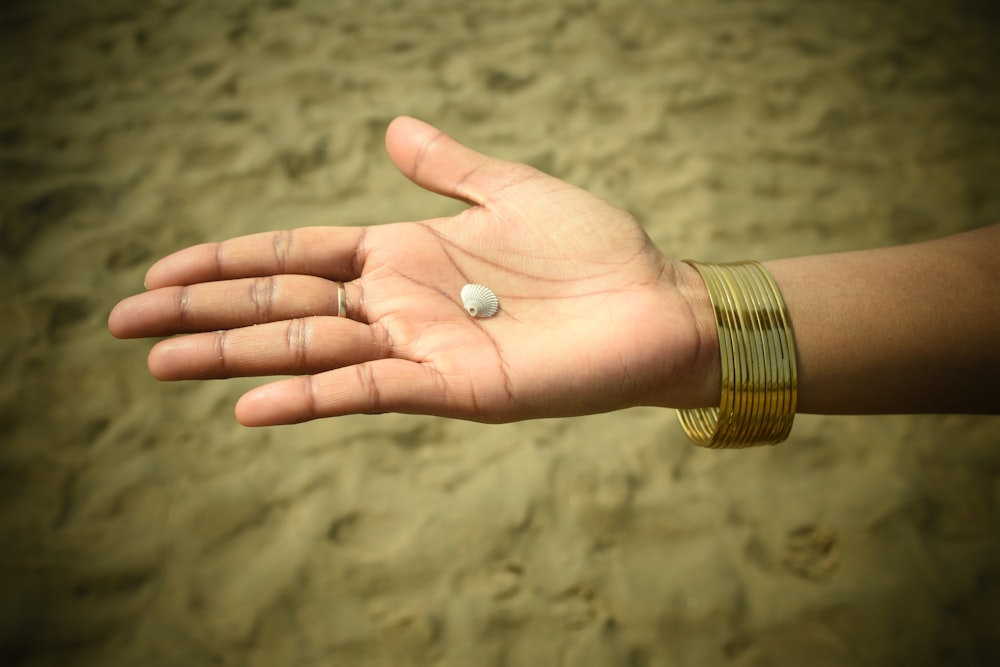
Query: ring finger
{"type": "Point", "coordinates": [229, 304]}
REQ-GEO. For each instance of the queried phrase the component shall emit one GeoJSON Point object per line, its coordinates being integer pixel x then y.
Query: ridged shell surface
{"type": "Point", "coordinates": [480, 301]}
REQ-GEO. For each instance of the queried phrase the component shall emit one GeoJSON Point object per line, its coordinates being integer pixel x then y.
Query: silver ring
{"type": "Point", "coordinates": [341, 300]}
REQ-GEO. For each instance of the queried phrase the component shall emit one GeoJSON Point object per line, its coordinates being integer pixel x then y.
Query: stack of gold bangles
{"type": "Point", "coordinates": [759, 381]}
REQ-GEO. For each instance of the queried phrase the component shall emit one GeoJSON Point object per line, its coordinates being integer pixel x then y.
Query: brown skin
{"type": "Point", "coordinates": [907, 329]}
{"type": "Point", "coordinates": [593, 316]}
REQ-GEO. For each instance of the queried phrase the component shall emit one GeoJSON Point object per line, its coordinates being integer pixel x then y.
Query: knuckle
{"type": "Point", "coordinates": [183, 303]}
{"type": "Point", "coordinates": [282, 248]}
{"type": "Point", "coordinates": [311, 393]}
{"type": "Point", "coordinates": [381, 340]}
{"type": "Point", "coordinates": [298, 336]}
{"type": "Point", "coordinates": [262, 296]}
{"type": "Point", "coordinates": [368, 383]}
{"type": "Point", "coordinates": [221, 346]}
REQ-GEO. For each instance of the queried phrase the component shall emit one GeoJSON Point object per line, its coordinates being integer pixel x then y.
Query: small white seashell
{"type": "Point", "coordinates": [479, 301]}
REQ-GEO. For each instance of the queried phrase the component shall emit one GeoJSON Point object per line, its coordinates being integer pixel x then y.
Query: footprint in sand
{"type": "Point", "coordinates": [810, 552]}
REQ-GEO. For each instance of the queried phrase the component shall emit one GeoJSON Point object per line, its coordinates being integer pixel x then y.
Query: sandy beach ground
{"type": "Point", "coordinates": [141, 525]}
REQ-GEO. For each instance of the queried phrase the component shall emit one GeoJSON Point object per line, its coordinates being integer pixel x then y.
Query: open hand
{"type": "Point", "coordinates": [592, 316]}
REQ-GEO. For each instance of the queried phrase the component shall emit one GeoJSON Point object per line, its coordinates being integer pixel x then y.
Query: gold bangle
{"type": "Point", "coordinates": [757, 353]}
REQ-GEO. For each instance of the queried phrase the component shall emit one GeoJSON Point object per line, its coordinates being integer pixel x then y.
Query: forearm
{"type": "Point", "coordinates": [906, 329]}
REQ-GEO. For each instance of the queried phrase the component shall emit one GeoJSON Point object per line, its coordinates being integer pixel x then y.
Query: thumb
{"type": "Point", "coordinates": [434, 161]}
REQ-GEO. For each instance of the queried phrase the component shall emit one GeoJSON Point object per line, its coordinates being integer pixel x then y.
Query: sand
{"type": "Point", "coordinates": [142, 525]}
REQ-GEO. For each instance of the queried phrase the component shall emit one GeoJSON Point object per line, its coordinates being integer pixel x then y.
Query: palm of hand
{"type": "Point", "coordinates": [578, 283]}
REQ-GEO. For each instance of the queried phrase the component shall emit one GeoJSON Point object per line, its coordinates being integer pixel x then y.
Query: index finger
{"type": "Point", "coordinates": [327, 252]}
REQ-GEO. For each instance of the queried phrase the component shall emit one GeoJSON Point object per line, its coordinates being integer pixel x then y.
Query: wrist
{"type": "Point", "coordinates": [759, 379]}
{"type": "Point", "coordinates": [705, 385]}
